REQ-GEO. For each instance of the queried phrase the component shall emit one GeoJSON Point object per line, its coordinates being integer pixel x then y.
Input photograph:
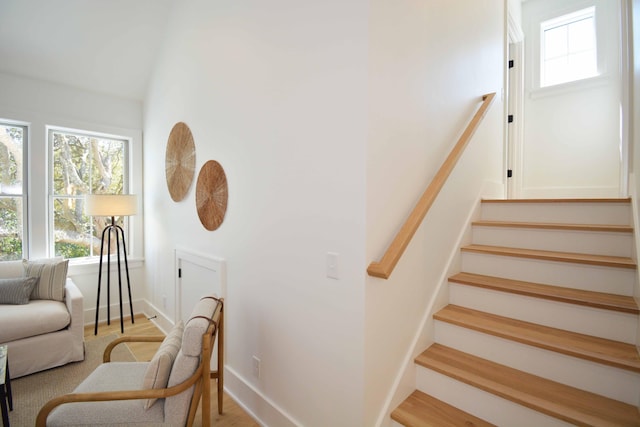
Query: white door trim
{"type": "Point", "coordinates": [626, 87]}
{"type": "Point", "coordinates": [514, 132]}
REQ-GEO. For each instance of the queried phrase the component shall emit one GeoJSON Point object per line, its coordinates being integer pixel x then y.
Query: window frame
{"type": "Point", "coordinates": [128, 188]}
{"type": "Point", "coordinates": [25, 181]}
{"type": "Point", "coordinates": [607, 66]}
{"type": "Point", "coordinates": [566, 20]}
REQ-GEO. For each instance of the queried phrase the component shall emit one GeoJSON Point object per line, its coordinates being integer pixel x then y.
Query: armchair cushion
{"type": "Point", "coordinates": [158, 370]}
{"type": "Point", "coordinates": [51, 274]}
{"type": "Point", "coordinates": [109, 377]}
{"type": "Point", "coordinates": [16, 290]}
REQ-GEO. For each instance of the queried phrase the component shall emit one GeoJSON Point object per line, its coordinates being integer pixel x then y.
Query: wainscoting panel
{"type": "Point", "coordinates": [197, 275]}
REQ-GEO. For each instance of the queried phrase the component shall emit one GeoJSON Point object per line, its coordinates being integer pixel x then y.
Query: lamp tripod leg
{"type": "Point", "coordinates": [109, 273]}
{"type": "Point", "coordinates": [126, 269]}
{"type": "Point", "coordinates": [95, 332]}
{"type": "Point", "coordinates": [119, 276]}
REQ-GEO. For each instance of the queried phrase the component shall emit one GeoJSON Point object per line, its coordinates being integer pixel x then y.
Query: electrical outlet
{"type": "Point", "coordinates": [164, 302]}
{"type": "Point", "coordinates": [256, 367]}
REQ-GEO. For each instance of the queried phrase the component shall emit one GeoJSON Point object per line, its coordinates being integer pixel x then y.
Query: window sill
{"type": "Point", "coordinates": [92, 265]}
{"type": "Point", "coordinates": [574, 86]}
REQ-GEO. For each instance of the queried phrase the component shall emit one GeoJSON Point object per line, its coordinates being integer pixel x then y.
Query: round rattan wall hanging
{"type": "Point", "coordinates": [180, 161]}
{"type": "Point", "coordinates": [211, 195]}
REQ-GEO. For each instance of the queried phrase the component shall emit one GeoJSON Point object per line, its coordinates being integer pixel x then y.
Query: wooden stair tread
{"type": "Point", "coordinates": [564, 402]}
{"type": "Point", "coordinates": [578, 258]}
{"type": "Point", "coordinates": [555, 226]}
{"type": "Point", "coordinates": [600, 350]}
{"type": "Point", "coordinates": [422, 410]}
{"type": "Point", "coordinates": [621, 303]}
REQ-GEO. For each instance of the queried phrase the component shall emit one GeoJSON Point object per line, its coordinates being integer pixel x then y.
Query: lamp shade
{"type": "Point", "coordinates": [110, 204]}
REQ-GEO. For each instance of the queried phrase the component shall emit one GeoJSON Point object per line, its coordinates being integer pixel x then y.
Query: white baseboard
{"type": "Point", "coordinates": [493, 190]}
{"type": "Point", "coordinates": [157, 317]}
{"type": "Point", "coordinates": [139, 306]}
{"type": "Point", "coordinates": [90, 313]}
{"type": "Point", "coordinates": [264, 411]}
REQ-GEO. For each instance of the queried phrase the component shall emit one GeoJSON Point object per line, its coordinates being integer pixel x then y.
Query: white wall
{"type": "Point", "coordinates": [634, 187]}
{"type": "Point", "coordinates": [40, 104]}
{"type": "Point", "coordinates": [571, 144]}
{"type": "Point", "coordinates": [635, 98]}
{"type": "Point", "coordinates": [515, 9]}
{"type": "Point", "coordinates": [429, 65]}
{"type": "Point", "coordinates": [276, 92]}
{"type": "Point", "coordinates": [329, 119]}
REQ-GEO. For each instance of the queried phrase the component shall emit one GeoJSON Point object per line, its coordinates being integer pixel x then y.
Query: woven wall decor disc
{"type": "Point", "coordinates": [211, 195]}
{"type": "Point", "coordinates": [180, 161]}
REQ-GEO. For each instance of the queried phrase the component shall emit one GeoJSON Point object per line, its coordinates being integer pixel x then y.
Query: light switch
{"type": "Point", "coordinates": [332, 265]}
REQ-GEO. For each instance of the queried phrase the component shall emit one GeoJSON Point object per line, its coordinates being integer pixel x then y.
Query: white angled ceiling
{"type": "Point", "coordinates": [106, 46]}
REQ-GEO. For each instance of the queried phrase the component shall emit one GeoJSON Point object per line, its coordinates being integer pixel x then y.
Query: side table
{"type": "Point", "coordinates": [5, 385]}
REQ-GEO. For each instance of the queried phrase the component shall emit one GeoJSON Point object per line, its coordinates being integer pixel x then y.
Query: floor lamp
{"type": "Point", "coordinates": [112, 205]}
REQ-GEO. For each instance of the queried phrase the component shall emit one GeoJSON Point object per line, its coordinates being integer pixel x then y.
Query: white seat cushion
{"type": "Point", "coordinates": [36, 318]}
{"type": "Point", "coordinates": [110, 377]}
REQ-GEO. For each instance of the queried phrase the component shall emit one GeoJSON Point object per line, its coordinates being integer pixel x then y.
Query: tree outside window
{"type": "Point", "coordinates": [84, 164]}
{"type": "Point", "coordinates": [12, 194]}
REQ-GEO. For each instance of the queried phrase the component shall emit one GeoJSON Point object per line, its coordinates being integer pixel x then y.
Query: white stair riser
{"type": "Point", "coordinates": [615, 383]}
{"type": "Point", "coordinates": [571, 275]}
{"type": "Point", "coordinates": [601, 323]}
{"type": "Point", "coordinates": [482, 404]}
{"type": "Point", "coordinates": [588, 242]}
{"type": "Point", "coordinates": [567, 213]}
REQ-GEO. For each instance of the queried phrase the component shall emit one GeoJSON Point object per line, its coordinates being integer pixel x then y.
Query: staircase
{"type": "Point", "coordinates": [541, 324]}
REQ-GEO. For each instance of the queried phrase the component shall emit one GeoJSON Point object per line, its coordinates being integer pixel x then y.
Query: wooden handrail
{"type": "Point", "coordinates": [385, 266]}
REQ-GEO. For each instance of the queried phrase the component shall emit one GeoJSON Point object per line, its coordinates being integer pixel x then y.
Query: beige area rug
{"type": "Point", "coordinates": [31, 392]}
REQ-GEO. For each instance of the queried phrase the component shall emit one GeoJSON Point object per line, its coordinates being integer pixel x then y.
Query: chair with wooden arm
{"type": "Point", "coordinates": [163, 392]}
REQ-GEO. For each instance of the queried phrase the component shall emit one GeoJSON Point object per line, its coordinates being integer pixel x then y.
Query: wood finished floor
{"type": "Point", "coordinates": [233, 415]}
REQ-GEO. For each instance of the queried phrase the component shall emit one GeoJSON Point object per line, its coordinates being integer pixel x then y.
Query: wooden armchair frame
{"type": "Point", "coordinates": [201, 378]}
